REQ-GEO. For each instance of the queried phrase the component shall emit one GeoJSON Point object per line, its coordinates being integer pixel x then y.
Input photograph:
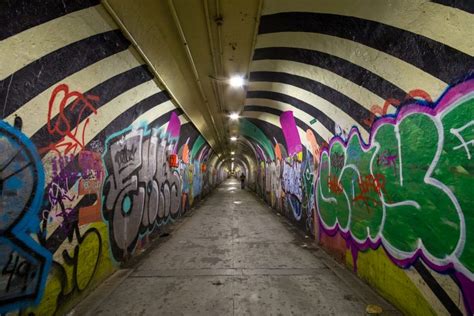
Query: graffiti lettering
{"type": "Point", "coordinates": [427, 190]}
{"type": "Point", "coordinates": [465, 145]}
{"type": "Point", "coordinates": [125, 155]}
{"type": "Point", "coordinates": [291, 185]}
{"type": "Point", "coordinates": [59, 212]}
{"type": "Point", "coordinates": [143, 192]}
{"type": "Point", "coordinates": [20, 273]}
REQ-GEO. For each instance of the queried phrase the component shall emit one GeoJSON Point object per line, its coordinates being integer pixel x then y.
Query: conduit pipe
{"type": "Point", "coordinates": [142, 54]}
{"type": "Point", "coordinates": [217, 92]}
{"type": "Point", "coordinates": [193, 64]}
{"type": "Point", "coordinates": [219, 36]}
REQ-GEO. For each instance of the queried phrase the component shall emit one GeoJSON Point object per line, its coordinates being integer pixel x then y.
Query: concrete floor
{"type": "Point", "coordinates": [233, 256]}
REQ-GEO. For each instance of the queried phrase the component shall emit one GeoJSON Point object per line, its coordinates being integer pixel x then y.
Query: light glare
{"type": "Point", "coordinates": [234, 116]}
{"type": "Point", "coordinates": [233, 138]}
{"type": "Point", "coordinates": [236, 81]}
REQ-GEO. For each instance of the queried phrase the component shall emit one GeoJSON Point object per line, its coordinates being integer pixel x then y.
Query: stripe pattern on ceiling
{"type": "Point", "coordinates": [93, 59]}
{"type": "Point", "coordinates": [338, 68]}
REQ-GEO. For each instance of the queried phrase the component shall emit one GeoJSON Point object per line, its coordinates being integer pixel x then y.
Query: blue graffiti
{"type": "Point", "coordinates": [24, 263]}
{"type": "Point", "coordinates": [295, 205]}
{"type": "Point", "coordinates": [197, 179]}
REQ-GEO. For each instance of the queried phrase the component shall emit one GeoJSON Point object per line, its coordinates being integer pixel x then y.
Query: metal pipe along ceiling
{"type": "Point", "coordinates": [193, 66]}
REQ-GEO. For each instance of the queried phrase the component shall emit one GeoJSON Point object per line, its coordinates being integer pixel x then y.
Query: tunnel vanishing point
{"type": "Point", "coordinates": [127, 126]}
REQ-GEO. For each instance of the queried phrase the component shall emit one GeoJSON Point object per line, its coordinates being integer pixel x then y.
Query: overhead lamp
{"type": "Point", "coordinates": [236, 81]}
{"type": "Point", "coordinates": [232, 152]}
{"type": "Point", "coordinates": [233, 138]}
{"type": "Point", "coordinates": [231, 158]}
{"type": "Point", "coordinates": [234, 116]}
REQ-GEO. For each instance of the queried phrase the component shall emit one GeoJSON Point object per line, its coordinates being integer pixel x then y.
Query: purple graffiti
{"type": "Point", "coordinates": [290, 131]}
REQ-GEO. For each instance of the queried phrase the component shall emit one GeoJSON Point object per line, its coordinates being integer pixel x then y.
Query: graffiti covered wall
{"type": "Point", "coordinates": [362, 122]}
{"type": "Point", "coordinates": [88, 141]}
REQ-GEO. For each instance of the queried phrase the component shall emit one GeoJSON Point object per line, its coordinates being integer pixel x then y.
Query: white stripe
{"type": "Point", "coordinates": [275, 120]}
{"type": "Point", "coordinates": [320, 129]}
{"type": "Point", "coordinates": [441, 23]}
{"type": "Point", "coordinates": [23, 48]}
{"type": "Point", "coordinates": [35, 112]}
{"type": "Point", "coordinates": [183, 119]}
{"type": "Point", "coordinates": [300, 114]}
{"type": "Point", "coordinates": [154, 113]}
{"type": "Point", "coordinates": [337, 115]}
{"type": "Point", "coordinates": [397, 71]}
{"type": "Point", "coordinates": [110, 111]}
{"type": "Point", "coordinates": [359, 94]}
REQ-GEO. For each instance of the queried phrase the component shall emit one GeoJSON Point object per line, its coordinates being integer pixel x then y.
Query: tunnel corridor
{"type": "Point", "coordinates": [234, 256]}
{"type": "Point", "coordinates": [126, 128]}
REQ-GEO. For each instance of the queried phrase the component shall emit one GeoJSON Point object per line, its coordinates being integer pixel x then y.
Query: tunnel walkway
{"type": "Point", "coordinates": [234, 256]}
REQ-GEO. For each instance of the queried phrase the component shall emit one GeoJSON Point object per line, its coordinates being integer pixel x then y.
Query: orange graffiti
{"type": "Point", "coordinates": [278, 152]}
{"type": "Point", "coordinates": [380, 111]}
{"type": "Point", "coordinates": [185, 153]}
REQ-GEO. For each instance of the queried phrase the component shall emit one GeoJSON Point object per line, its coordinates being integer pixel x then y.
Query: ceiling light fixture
{"type": "Point", "coordinates": [234, 116]}
{"type": "Point", "coordinates": [232, 152]}
{"type": "Point", "coordinates": [236, 81]}
{"type": "Point", "coordinates": [233, 138]}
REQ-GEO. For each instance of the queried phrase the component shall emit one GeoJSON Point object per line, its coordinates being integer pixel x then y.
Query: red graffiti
{"type": "Point", "coordinates": [370, 184]}
{"type": "Point", "coordinates": [334, 185]}
{"type": "Point", "coordinates": [377, 110]}
{"type": "Point", "coordinates": [64, 124]}
{"type": "Point", "coordinates": [418, 94]}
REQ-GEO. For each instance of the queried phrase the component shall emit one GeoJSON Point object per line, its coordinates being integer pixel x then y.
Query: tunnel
{"type": "Point", "coordinates": [236, 157]}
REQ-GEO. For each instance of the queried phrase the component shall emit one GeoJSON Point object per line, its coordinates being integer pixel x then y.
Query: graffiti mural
{"type": "Point", "coordinates": [292, 186]}
{"type": "Point", "coordinates": [406, 189]}
{"type": "Point", "coordinates": [308, 177]}
{"type": "Point", "coordinates": [24, 262]}
{"type": "Point", "coordinates": [141, 190]}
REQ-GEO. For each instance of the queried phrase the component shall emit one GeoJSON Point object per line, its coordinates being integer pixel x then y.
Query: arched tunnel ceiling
{"type": "Point", "coordinates": [85, 122]}
{"type": "Point", "coordinates": [194, 46]}
{"type": "Point", "coordinates": [329, 63]}
{"type": "Point", "coordinates": [337, 65]}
